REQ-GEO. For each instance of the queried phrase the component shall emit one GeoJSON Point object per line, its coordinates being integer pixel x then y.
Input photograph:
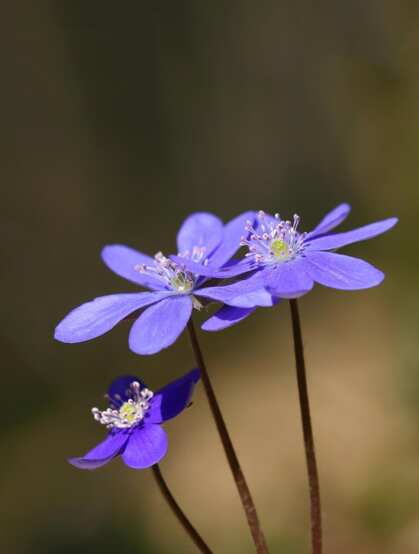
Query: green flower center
{"type": "Point", "coordinates": [279, 249]}
{"type": "Point", "coordinates": [182, 282]}
{"type": "Point", "coordinates": [129, 412]}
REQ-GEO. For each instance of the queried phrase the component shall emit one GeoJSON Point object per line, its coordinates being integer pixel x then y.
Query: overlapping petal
{"type": "Point", "coordinates": [169, 401]}
{"type": "Point", "coordinates": [211, 270]}
{"type": "Point", "coordinates": [200, 229]}
{"type": "Point", "coordinates": [288, 279]}
{"type": "Point", "coordinates": [225, 317]}
{"type": "Point", "coordinates": [124, 260]}
{"type": "Point", "coordinates": [147, 445]}
{"type": "Point", "coordinates": [331, 242]}
{"type": "Point", "coordinates": [232, 233]}
{"type": "Point", "coordinates": [247, 293]}
{"type": "Point", "coordinates": [94, 318]}
{"type": "Point", "coordinates": [331, 220]}
{"type": "Point", "coordinates": [160, 325]}
{"type": "Point", "coordinates": [342, 272]}
{"type": "Point", "coordinates": [103, 453]}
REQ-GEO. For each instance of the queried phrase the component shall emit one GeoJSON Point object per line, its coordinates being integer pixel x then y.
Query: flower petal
{"type": "Point", "coordinates": [159, 326]}
{"type": "Point", "coordinates": [117, 391]}
{"type": "Point", "coordinates": [92, 319]}
{"type": "Point", "coordinates": [246, 293]}
{"type": "Point", "coordinates": [200, 229]}
{"type": "Point", "coordinates": [342, 272]}
{"type": "Point", "coordinates": [226, 317]}
{"type": "Point", "coordinates": [330, 242]}
{"type": "Point", "coordinates": [237, 267]}
{"type": "Point", "coordinates": [146, 446]}
{"type": "Point", "coordinates": [123, 260]}
{"type": "Point", "coordinates": [172, 399]}
{"type": "Point", "coordinates": [331, 220]}
{"type": "Point", "coordinates": [289, 279]}
{"type": "Point", "coordinates": [102, 453]}
{"type": "Point", "coordinates": [232, 233]}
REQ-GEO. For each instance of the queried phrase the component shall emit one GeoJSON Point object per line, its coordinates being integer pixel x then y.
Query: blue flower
{"type": "Point", "coordinates": [282, 262]}
{"type": "Point", "coordinates": [134, 421]}
{"type": "Point", "coordinates": [202, 240]}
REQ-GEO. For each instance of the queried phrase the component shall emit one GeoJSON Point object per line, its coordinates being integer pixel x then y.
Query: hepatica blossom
{"type": "Point", "coordinates": [203, 241]}
{"type": "Point", "coordinates": [285, 263]}
{"type": "Point", "coordinates": [134, 420]}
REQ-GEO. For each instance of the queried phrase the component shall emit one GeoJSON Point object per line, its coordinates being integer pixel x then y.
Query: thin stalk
{"type": "Point", "coordinates": [243, 489]}
{"type": "Point", "coordinates": [183, 520]}
{"type": "Point", "coordinates": [313, 476]}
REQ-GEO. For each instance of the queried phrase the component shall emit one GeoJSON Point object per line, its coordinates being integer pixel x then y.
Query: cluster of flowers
{"type": "Point", "coordinates": [279, 262]}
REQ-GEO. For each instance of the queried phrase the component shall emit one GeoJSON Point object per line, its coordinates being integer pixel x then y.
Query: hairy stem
{"type": "Point", "coordinates": [313, 476]}
{"type": "Point", "coordinates": [243, 489]}
{"type": "Point", "coordinates": [174, 506]}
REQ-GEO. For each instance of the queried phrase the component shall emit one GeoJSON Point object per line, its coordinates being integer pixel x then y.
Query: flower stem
{"type": "Point", "coordinates": [313, 476]}
{"type": "Point", "coordinates": [183, 520]}
{"type": "Point", "coordinates": [243, 489]}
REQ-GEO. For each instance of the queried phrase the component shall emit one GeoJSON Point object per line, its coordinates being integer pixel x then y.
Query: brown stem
{"type": "Point", "coordinates": [183, 520]}
{"type": "Point", "coordinates": [243, 489]}
{"type": "Point", "coordinates": [313, 476]}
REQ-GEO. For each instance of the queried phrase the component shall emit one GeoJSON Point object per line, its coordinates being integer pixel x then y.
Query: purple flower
{"type": "Point", "coordinates": [202, 240]}
{"type": "Point", "coordinates": [285, 263]}
{"type": "Point", "coordinates": [134, 421]}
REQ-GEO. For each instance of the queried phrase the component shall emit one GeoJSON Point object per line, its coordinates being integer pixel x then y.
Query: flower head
{"type": "Point", "coordinates": [282, 262]}
{"type": "Point", "coordinates": [203, 242]}
{"type": "Point", "coordinates": [134, 419]}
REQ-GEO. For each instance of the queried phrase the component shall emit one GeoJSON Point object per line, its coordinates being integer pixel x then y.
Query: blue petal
{"type": "Point", "coordinates": [159, 326]}
{"type": "Point", "coordinates": [210, 270]}
{"type": "Point", "coordinates": [233, 231]}
{"type": "Point", "coordinates": [342, 272]}
{"type": "Point", "coordinates": [330, 242]}
{"type": "Point", "coordinates": [123, 260]}
{"type": "Point", "coordinates": [102, 453]}
{"type": "Point", "coordinates": [118, 391]}
{"type": "Point", "coordinates": [200, 229]}
{"type": "Point", "coordinates": [147, 445]}
{"type": "Point", "coordinates": [288, 279]}
{"type": "Point", "coordinates": [226, 317]}
{"type": "Point", "coordinates": [95, 318]}
{"type": "Point", "coordinates": [331, 220]}
{"type": "Point", "coordinates": [247, 293]}
{"type": "Point", "coordinates": [172, 399]}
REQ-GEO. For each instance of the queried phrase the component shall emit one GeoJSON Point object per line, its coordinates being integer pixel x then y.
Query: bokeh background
{"type": "Point", "coordinates": [118, 120]}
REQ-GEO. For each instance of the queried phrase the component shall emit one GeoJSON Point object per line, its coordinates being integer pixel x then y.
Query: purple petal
{"type": "Point", "coordinates": [289, 279]}
{"type": "Point", "coordinates": [232, 233]}
{"type": "Point", "coordinates": [123, 260]}
{"type": "Point", "coordinates": [200, 229]}
{"type": "Point", "coordinates": [172, 399]}
{"type": "Point", "coordinates": [342, 272]}
{"type": "Point", "coordinates": [92, 319]}
{"type": "Point", "coordinates": [210, 270]}
{"type": "Point", "coordinates": [118, 389]}
{"type": "Point", "coordinates": [146, 446]}
{"type": "Point", "coordinates": [226, 317]}
{"type": "Point", "coordinates": [330, 242]}
{"type": "Point", "coordinates": [246, 293]}
{"type": "Point", "coordinates": [102, 453]}
{"type": "Point", "coordinates": [331, 220]}
{"type": "Point", "coordinates": [159, 326]}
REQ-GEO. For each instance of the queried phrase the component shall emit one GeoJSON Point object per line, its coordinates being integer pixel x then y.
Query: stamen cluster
{"type": "Point", "coordinates": [273, 240]}
{"type": "Point", "coordinates": [170, 273]}
{"type": "Point", "coordinates": [130, 413]}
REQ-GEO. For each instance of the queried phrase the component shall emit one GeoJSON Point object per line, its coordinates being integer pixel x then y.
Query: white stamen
{"type": "Point", "coordinates": [130, 413]}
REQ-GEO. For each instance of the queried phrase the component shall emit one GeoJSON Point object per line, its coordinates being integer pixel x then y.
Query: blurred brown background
{"type": "Point", "coordinates": [116, 123]}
